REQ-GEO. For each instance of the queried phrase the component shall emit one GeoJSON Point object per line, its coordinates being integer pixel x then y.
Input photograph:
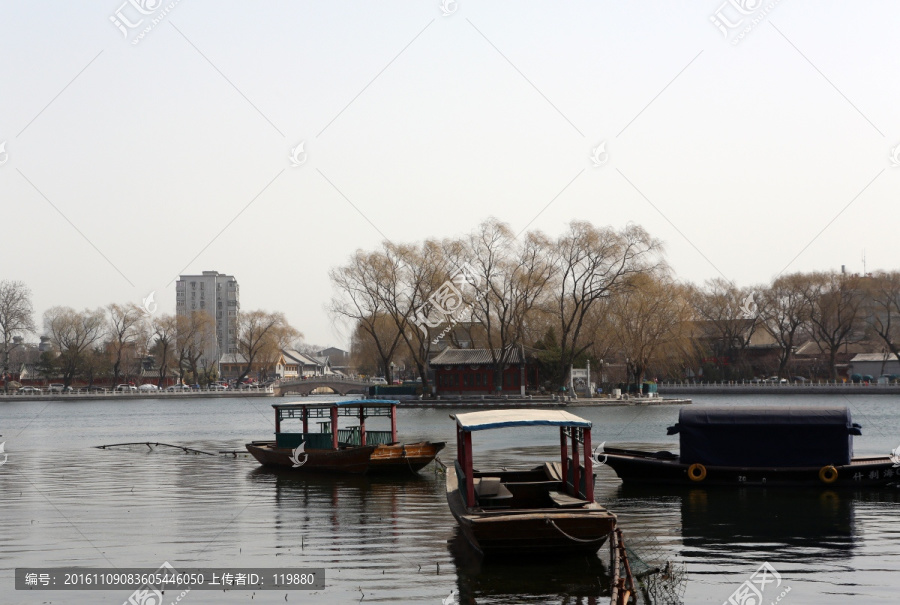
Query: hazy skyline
{"type": "Point", "coordinates": [129, 164]}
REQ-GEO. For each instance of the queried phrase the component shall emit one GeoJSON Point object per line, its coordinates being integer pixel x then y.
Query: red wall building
{"type": "Point", "coordinates": [471, 372]}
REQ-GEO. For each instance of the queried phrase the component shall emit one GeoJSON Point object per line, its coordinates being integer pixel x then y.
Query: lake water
{"type": "Point", "coordinates": [65, 503]}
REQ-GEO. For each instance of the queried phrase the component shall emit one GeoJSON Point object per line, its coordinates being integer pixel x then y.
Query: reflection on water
{"type": "Point", "coordinates": [795, 523]}
{"type": "Point", "coordinates": [582, 580]}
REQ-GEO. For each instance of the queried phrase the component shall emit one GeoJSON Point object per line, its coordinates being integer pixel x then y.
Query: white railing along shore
{"type": "Point", "coordinates": [775, 385]}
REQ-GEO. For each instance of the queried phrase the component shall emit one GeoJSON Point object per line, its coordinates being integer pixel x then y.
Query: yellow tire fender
{"type": "Point", "coordinates": [828, 474]}
{"type": "Point", "coordinates": [696, 472]}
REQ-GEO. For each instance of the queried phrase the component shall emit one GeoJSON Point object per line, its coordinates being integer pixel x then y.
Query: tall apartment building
{"type": "Point", "coordinates": [219, 295]}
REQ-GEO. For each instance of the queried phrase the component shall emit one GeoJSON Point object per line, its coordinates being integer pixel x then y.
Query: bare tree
{"type": "Point", "coordinates": [95, 362]}
{"type": "Point", "coordinates": [511, 277]}
{"type": "Point", "coordinates": [165, 330]}
{"type": "Point", "coordinates": [649, 320]}
{"type": "Point", "coordinates": [360, 302]}
{"type": "Point", "coordinates": [277, 339]}
{"type": "Point", "coordinates": [834, 301]}
{"type": "Point", "coordinates": [416, 273]}
{"type": "Point", "coordinates": [883, 298]}
{"type": "Point", "coordinates": [16, 317]}
{"type": "Point", "coordinates": [729, 316]}
{"type": "Point", "coordinates": [259, 333]}
{"type": "Point", "coordinates": [785, 310]}
{"type": "Point", "coordinates": [73, 333]}
{"type": "Point", "coordinates": [193, 332]}
{"type": "Point", "coordinates": [590, 264]}
{"type": "Point", "coordinates": [126, 329]}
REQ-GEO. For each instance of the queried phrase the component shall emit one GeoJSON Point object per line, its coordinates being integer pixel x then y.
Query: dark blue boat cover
{"type": "Point", "coordinates": [765, 436]}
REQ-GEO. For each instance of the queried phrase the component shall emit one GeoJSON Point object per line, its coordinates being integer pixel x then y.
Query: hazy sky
{"type": "Point", "coordinates": [127, 164]}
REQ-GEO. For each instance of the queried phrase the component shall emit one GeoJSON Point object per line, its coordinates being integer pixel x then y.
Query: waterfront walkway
{"type": "Point", "coordinates": [774, 388]}
{"type": "Point", "coordinates": [126, 395]}
{"type": "Point", "coordinates": [533, 402]}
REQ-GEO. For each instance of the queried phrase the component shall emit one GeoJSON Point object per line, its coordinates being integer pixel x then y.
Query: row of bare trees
{"type": "Point", "coordinates": [830, 309]}
{"type": "Point", "coordinates": [594, 293]}
{"type": "Point", "coordinates": [515, 291]}
{"type": "Point", "coordinates": [113, 342]}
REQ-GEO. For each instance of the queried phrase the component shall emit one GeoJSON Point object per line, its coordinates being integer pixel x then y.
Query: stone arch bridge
{"type": "Point", "coordinates": [340, 385]}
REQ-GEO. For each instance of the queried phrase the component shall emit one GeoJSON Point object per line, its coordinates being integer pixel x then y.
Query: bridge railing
{"type": "Point", "coordinates": [326, 378]}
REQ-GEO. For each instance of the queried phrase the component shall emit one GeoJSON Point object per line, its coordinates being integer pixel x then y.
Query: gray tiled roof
{"type": "Point", "coordinates": [874, 357]}
{"type": "Point", "coordinates": [458, 357]}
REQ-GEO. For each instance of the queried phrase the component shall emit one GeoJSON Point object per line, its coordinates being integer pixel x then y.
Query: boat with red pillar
{"type": "Point", "coordinates": [348, 449]}
{"type": "Point", "coordinates": [547, 509]}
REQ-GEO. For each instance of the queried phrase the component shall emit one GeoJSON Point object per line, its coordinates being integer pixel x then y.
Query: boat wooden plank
{"type": "Point", "coordinates": [561, 500]}
{"type": "Point", "coordinates": [553, 470]}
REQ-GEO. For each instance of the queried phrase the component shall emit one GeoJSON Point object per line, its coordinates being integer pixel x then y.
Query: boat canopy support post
{"type": "Point", "coordinates": [564, 454]}
{"type": "Point", "coordinates": [588, 466]}
{"type": "Point", "coordinates": [334, 427]}
{"type": "Point", "coordinates": [464, 458]}
{"type": "Point", "coordinates": [393, 424]}
{"type": "Point", "coordinates": [576, 475]}
{"type": "Point", "coordinates": [305, 421]}
{"type": "Point", "coordinates": [467, 469]}
{"type": "Point", "coordinates": [277, 421]}
{"type": "Point", "coordinates": [362, 425]}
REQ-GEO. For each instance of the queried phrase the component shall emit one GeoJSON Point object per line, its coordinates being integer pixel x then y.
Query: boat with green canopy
{"type": "Point", "coordinates": [351, 448]}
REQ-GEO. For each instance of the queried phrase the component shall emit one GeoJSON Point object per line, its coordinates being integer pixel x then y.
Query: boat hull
{"type": "Point", "coordinates": [637, 467]}
{"type": "Point", "coordinates": [354, 460]}
{"type": "Point", "coordinates": [403, 457]}
{"type": "Point", "coordinates": [523, 532]}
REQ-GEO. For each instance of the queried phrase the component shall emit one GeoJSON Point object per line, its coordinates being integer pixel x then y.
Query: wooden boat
{"type": "Point", "coordinates": [763, 446]}
{"type": "Point", "coordinates": [351, 449]}
{"type": "Point", "coordinates": [548, 509]}
{"type": "Point", "coordinates": [403, 457]}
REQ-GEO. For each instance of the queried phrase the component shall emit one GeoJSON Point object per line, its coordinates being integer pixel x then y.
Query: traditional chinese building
{"type": "Point", "coordinates": [471, 372]}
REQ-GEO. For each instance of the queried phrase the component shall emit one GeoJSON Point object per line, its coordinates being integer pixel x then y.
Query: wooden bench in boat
{"type": "Point", "coordinates": [491, 492]}
{"type": "Point", "coordinates": [562, 500]}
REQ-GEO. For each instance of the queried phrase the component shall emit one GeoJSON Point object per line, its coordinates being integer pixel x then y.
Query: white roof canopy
{"type": "Point", "coordinates": [497, 419]}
